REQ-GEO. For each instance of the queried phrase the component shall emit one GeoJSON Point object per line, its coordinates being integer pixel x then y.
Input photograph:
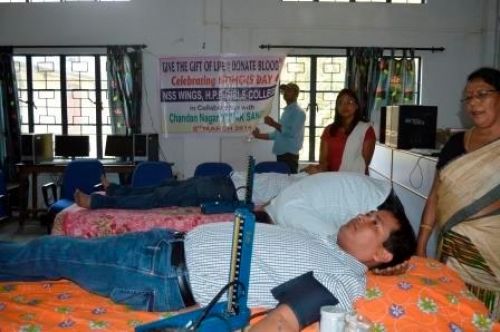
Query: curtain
{"type": "Point", "coordinates": [362, 74]}
{"type": "Point", "coordinates": [396, 84]}
{"type": "Point", "coordinates": [10, 129]}
{"type": "Point", "coordinates": [125, 89]}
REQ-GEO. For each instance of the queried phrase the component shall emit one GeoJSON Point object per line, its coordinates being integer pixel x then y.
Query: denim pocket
{"type": "Point", "coordinates": [136, 299]}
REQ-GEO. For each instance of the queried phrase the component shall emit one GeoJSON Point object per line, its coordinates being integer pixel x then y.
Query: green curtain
{"type": "Point", "coordinates": [125, 89]}
{"type": "Point", "coordinates": [10, 129]}
{"type": "Point", "coordinates": [380, 80]}
{"type": "Point", "coordinates": [396, 84]}
{"type": "Point", "coordinates": [362, 74]}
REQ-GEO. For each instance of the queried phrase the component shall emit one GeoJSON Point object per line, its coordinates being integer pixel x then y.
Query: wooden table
{"type": "Point", "coordinates": [26, 169]}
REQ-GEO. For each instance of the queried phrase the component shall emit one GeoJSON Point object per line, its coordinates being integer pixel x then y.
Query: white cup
{"type": "Point", "coordinates": [332, 319]}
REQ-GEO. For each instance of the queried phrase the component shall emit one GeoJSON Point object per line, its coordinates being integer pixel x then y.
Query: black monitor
{"type": "Point", "coordinates": [71, 146]}
{"type": "Point", "coordinates": [119, 146]}
{"type": "Point", "coordinates": [36, 147]}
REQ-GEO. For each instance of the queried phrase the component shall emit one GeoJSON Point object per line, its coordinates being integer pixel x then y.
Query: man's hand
{"type": "Point", "coordinates": [280, 319]}
{"type": "Point", "coordinates": [269, 121]}
{"type": "Point", "coordinates": [256, 132]}
{"type": "Point", "coordinates": [272, 123]}
{"type": "Point", "coordinates": [311, 169]}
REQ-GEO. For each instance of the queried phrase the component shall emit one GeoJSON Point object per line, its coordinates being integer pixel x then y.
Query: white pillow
{"type": "Point", "coordinates": [321, 203]}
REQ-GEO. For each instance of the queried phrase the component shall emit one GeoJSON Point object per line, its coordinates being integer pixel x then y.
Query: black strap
{"type": "Point", "coordinates": [178, 260]}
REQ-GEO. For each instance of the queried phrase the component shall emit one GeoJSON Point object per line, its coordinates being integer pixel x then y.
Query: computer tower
{"type": "Point", "coordinates": [408, 126]}
{"type": "Point", "coordinates": [36, 148]}
{"type": "Point", "coordinates": [146, 147]}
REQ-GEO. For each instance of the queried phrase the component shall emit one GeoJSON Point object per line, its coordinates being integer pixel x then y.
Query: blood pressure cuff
{"type": "Point", "coordinates": [305, 296]}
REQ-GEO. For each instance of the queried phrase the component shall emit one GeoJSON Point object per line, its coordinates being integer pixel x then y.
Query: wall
{"type": "Point", "coordinates": [192, 27]}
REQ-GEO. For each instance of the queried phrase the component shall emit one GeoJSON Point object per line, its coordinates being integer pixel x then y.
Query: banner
{"type": "Point", "coordinates": [224, 94]}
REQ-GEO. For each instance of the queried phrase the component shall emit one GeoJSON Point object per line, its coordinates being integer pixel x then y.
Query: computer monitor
{"type": "Point", "coordinates": [36, 148]}
{"type": "Point", "coordinates": [119, 146]}
{"type": "Point", "coordinates": [146, 147]}
{"type": "Point", "coordinates": [71, 146]}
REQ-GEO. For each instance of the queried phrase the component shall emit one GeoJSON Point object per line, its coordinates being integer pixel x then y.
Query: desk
{"type": "Point", "coordinates": [25, 170]}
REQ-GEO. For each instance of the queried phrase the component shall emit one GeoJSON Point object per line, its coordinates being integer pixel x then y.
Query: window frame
{"type": "Point", "coordinates": [312, 103]}
{"type": "Point", "coordinates": [63, 88]}
{"type": "Point", "coordinates": [56, 1]}
{"type": "Point", "coordinates": [422, 2]}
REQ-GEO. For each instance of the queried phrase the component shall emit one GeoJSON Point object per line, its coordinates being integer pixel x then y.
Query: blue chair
{"type": "Point", "coordinates": [148, 173]}
{"type": "Point", "coordinates": [213, 168]}
{"type": "Point", "coordinates": [84, 174]}
{"type": "Point", "coordinates": [4, 198]}
{"type": "Point", "coordinates": [272, 166]}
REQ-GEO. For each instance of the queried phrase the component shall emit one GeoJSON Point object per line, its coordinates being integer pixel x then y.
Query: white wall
{"type": "Point", "coordinates": [466, 28]}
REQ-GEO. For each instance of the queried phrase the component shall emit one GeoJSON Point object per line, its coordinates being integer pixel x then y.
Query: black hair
{"type": "Point", "coordinates": [487, 74]}
{"type": "Point", "coordinates": [402, 243]}
{"type": "Point", "coordinates": [337, 119]}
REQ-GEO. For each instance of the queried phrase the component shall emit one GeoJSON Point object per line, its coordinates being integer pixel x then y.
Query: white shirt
{"type": "Point", "coordinates": [279, 254]}
{"type": "Point", "coordinates": [266, 186]}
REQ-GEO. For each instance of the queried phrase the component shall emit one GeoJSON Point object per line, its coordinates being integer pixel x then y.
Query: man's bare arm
{"type": "Point", "coordinates": [281, 319]}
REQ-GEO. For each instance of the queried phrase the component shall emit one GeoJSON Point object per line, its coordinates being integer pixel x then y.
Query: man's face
{"type": "Point", "coordinates": [289, 95]}
{"type": "Point", "coordinates": [364, 235]}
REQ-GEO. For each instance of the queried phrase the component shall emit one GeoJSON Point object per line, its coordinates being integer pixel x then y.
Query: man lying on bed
{"type": "Point", "coordinates": [189, 192]}
{"type": "Point", "coordinates": [148, 271]}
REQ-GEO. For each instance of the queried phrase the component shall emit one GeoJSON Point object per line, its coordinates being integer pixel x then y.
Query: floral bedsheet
{"type": "Point", "coordinates": [430, 297]}
{"type": "Point", "coordinates": [78, 221]}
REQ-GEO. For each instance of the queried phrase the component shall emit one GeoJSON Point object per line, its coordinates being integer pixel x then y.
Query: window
{"type": "Point", "coordinates": [320, 78]}
{"type": "Point", "coordinates": [11, 1]}
{"type": "Point", "coordinates": [383, 1]}
{"type": "Point", "coordinates": [64, 94]}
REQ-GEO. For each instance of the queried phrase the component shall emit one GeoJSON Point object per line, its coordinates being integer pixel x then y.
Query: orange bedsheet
{"type": "Point", "coordinates": [430, 297]}
{"type": "Point", "coordinates": [63, 306]}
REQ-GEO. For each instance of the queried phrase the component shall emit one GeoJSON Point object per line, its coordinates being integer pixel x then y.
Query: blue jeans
{"type": "Point", "coordinates": [132, 269]}
{"type": "Point", "coordinates": [190, 192]}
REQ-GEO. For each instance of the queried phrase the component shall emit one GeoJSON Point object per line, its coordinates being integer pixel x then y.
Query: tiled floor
{"type": "Point", "coordinates": [9, 230]}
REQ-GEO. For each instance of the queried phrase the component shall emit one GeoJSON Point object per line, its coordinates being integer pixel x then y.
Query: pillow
{"type": "Point", "coordinates": [429, 297]}
{"type": "Point", "coordinates": [322, 202]}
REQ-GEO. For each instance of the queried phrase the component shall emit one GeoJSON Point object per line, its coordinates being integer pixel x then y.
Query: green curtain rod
{"type": "Point", "coordinates": [323, 47]}
{"type": "Point", "coordinates": [76, 46]}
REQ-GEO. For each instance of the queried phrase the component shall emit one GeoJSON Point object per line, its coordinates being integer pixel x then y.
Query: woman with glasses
{"type": "Point", "coordinates": [348, 143]}
{"type": "Point", "coordinates": [465, 197]}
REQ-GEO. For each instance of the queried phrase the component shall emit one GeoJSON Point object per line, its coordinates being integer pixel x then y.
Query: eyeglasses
{"type": "Point", "coordinates": [480, 95]}
{"type": "Point", "coordinates": [346, 102]}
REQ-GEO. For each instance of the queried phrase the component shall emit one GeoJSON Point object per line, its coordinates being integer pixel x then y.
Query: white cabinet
{"type": "Point", "coordinates": [413, 172]}
{"type": "Point", "coordinates": [411, 176]}
{"type": "Point", "coordinates": [381, 162]}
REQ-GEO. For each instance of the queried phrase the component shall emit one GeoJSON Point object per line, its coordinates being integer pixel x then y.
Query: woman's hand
{"type": "Point", "coordinates": [421, 251]}
{"type": "Point", "coordinates": [393, 270]}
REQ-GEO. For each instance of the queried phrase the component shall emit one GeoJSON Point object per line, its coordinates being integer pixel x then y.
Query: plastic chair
{"type": "Point", "coordinates": [272, 167]}
{"type": "Point", "coordinates": [213, 168]}
{"type": "Point", "coordinates": [4, 199]}
{"type": "Point", "coordinates": [84, 175]}
{"type": "Point", "coordinates": [148, 173]}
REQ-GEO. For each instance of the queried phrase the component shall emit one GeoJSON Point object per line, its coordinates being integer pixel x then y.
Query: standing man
{"type": "Point", "coordinates": [289, 131]}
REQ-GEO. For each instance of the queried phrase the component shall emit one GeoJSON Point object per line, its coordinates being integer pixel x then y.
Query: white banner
{"type": "Point", "coordinates": [224, 94]}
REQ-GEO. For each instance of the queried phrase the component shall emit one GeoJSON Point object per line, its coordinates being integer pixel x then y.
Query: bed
{"type": "Point", "coordinates": [78, 221]}
{"type": "Point", "coordinates": [429, 297]}
{"type": "Point", "coordinates": [82, 222]}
